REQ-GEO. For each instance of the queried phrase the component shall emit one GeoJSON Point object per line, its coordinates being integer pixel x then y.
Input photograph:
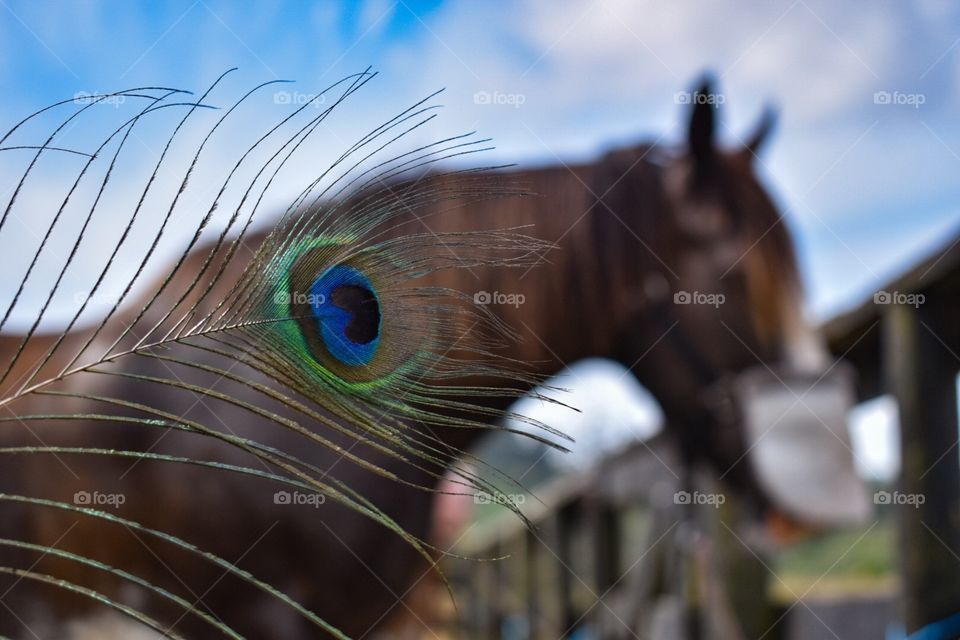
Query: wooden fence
{"type": "Point", "coordinates": [605, 540]}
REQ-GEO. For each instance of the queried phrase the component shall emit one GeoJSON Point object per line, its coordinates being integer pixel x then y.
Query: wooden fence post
{"type": "Point", "coordinates": [921, 373]}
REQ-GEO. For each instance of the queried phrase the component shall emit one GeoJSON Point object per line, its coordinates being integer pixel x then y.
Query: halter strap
{"type": "Point", "coordinates": [676, 336]}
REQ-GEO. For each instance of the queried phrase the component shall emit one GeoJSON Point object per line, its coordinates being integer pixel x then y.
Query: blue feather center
{"type": "Point", "coordinates": [334, 321]}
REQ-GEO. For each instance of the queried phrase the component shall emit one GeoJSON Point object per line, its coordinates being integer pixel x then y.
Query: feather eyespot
{"type": "Point", "coordinates": [345, 310]}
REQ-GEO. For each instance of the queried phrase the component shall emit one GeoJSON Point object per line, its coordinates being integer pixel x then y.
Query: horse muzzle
{"type": "Point", "coordinates": [798, 443]}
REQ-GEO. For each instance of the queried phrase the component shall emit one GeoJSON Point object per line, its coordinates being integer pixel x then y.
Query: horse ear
{"type": "Point", "coordinates": [702, 124]}
{"type": "Point", "coordinates": [767, 121]}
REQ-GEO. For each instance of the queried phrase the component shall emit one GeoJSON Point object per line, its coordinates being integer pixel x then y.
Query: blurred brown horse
{"type": "Point", "coordinates": [643, 235]}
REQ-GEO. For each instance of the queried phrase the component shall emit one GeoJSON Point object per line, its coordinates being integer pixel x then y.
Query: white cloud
{"type": "Point", "coordinates": [637, 51]}
{"type": "Point", "coordinates": [375, 16]}
{"type": "Point", "coordinates": [614, 409]}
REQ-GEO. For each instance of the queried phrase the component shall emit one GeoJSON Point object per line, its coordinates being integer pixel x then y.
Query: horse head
{"type": "Point", "coordinates": [713, 289]}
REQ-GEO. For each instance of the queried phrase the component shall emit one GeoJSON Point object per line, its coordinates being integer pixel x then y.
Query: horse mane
{"type": "Point", "coordinates": [774, 282]}
{"type": "Point", "coordinates": [629, 206]}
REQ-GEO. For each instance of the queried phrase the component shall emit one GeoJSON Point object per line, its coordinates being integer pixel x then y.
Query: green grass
{"type": "Point", "coordinates": [859, 561]}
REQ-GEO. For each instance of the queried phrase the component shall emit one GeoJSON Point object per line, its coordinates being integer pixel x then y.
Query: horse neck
{"type": "Point", "coordinates": [571, 309]}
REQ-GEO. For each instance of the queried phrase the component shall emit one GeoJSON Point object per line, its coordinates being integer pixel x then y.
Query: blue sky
{"type": "Point", "coordinates": [866, 186]}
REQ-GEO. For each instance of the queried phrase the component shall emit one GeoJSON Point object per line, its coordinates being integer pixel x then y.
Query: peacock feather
{"type": "Point", "coordinates": [325, 323]}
